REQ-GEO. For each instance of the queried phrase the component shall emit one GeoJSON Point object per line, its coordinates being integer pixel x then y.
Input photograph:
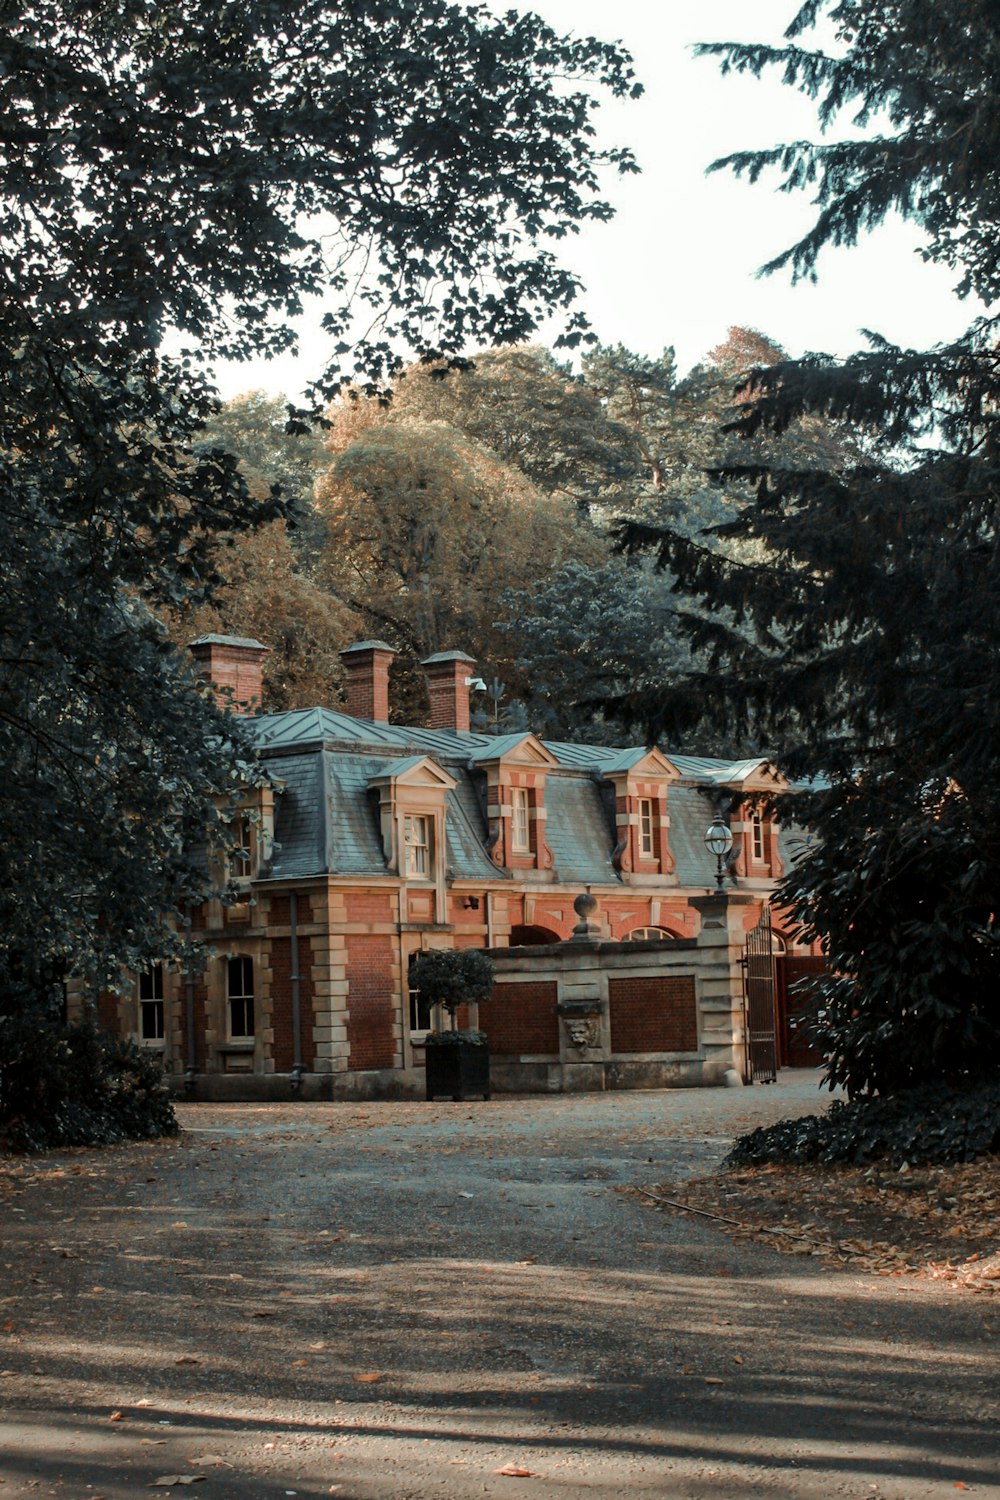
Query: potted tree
{"type": "Point", "coordinates": [457, 1062]}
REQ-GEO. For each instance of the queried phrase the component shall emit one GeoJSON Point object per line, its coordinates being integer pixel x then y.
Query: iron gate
{"type": "Point", "coordinates": [759, 1003]}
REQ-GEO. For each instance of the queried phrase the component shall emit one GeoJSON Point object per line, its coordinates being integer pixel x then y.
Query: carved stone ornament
{"type": "Point", "coordinates": [584, 1033]}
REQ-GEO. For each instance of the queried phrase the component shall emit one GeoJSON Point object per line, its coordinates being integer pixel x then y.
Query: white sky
{"type": "Point", "coordinates": [677, 264]}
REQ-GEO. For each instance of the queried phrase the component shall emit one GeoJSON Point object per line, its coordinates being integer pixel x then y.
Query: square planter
{"type": "Point", "coordinates": [459, 1068]}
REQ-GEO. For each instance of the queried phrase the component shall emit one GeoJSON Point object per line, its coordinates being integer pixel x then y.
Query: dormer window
{"type": "Point", "coordinates": [241, 858]}
{"type": "Point", "coordinates": [520, 826]}
{"type": "Point", "coordinates": [417, 846]}
{"type": "Point", "coordinates": [646, 845]}
{"type": "Point", "coordinates": [757, 838]}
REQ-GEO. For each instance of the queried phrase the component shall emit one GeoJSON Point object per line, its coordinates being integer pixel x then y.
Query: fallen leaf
{"type": "Point", "coordinates": [187, 1359]}
{"type": "Point", "coordinates": [512, 1471]}
{"type": "Point", "coordinates": [167, 1481]}
{"type": "Point", "coordinates": [367, 1379]}
{"type": "Point", "coordinates": [713, 1380]}
{"type": "Point", "coordinates": [116, 1416]}
{"type": "Point", "coordinates": [208, 1459]}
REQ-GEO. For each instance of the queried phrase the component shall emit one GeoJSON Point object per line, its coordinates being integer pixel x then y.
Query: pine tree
{"type": "Point", "coordinates": [871, 655]}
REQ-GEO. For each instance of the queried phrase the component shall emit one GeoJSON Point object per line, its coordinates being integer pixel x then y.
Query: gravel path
{"type": "Point", "coordinates": [405, 1300]}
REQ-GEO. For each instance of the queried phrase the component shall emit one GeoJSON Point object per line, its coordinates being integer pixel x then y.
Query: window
{"type": "Point", "coordinates": [241, 858]}
{"type": "Point", "coordinates": [421, 1010]}
{"type": "Point", "coordinates": [151, 1027]}
{"type": "Point", "coordinates": [239, 988]}
{"type": "Point", "coordinates": [757, 838]}
{"type": "Point", "coordinates": [520, 836]}
{"type": "Point", "coordinates": [417, 846]}
{"type": "Point", "coordinates": [650, 935]}
{"type": "Point", "coordinates": [646, 827]}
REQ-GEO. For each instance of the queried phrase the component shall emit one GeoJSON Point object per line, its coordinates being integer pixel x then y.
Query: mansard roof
{"type": "Point", "coordinates": [328, 821]}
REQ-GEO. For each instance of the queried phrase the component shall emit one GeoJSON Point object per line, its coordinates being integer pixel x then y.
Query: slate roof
{"type": "Point", "coordinates": [327, 819]}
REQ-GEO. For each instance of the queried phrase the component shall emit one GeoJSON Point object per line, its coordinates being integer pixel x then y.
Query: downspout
{"type": "Point", "coordinates": [189, 1071]}
{"type": "Point", "coordinates": [293, 922]}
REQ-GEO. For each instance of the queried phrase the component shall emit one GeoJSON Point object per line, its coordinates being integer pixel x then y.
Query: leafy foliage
{"type": "Point", "coordinates": [179, 175]}
{"type": "Point", "coordinates": [855, 627]}
{"type": "Point", "coordinates": [77, 1086]}
{"type": "Point", "coordinates": [426, 529]}
{"type": "Point", "coordinates": [453, 976]}
{"type": "Point", "coordinates": [937, 1122]}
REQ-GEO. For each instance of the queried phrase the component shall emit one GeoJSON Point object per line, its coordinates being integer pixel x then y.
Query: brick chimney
{"type": "Point", "coordinates": [366, 669]}
{"type": "Point", "coordinates": [448, 676]}
{"type": "Point", "coordinates": [235, 663]}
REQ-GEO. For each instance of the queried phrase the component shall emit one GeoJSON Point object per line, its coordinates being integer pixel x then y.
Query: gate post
{"type": "Point", "coordinates": [721, 940]}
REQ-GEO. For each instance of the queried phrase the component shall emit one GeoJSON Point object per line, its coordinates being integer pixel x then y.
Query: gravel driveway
{"type": "Point", "coordinates": [392, 1301]}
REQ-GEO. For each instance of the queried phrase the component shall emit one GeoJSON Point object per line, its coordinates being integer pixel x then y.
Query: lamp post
{"type": "Point", "coordinates": [719, 841]}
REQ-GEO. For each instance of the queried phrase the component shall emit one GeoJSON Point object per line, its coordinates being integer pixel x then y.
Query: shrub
{"type": "Point", "coordinates": [935, 1122]}
{"type": "Point", "coordinates": [453, 976]}
{"type": "Point", "coordinates": [78, 1086]}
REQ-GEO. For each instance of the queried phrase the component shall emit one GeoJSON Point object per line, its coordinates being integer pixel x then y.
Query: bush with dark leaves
{"type": "Point", "coordinates": [936, 1122]}
{"type": "Point", "coordinates": [78, 1086]}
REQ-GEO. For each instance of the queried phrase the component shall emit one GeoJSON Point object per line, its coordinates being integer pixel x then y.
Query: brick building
{"type": "Point", "coordinates": [374, 841]}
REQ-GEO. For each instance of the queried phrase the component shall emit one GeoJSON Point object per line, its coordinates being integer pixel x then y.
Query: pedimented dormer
{"type": "Point", "coordinates": [412, 794]}
{"type": "Point", "coordinates": [516, 767]}
{"type": "Point", "coordinates": [752, 822]}
{"type": "Point", "coordinates": [641, 781]}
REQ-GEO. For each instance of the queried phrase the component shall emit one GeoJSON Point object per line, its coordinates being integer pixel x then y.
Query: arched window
{"type": "Point", "coordinates": [239, 994]}
{"type": "Point", "coordinates": [651, 935]}
{"type": "Point", "coordinates": [524, 936]}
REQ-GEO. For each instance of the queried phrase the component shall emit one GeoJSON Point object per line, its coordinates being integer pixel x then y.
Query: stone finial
{"type": "Point", "coordinates": [586, 930]}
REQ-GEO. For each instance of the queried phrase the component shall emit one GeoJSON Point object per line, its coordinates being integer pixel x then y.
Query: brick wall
{"type": "Point", "coordinates": [281, 910]}
{"type": "Point", "coordinates": [520, 1020]}
{"type": "Point", "coordinates": [281, 1003]}
{"type": "Point", "coordinates": [368, 906]}
{"type": "Point", "coordinates": [107, 1012]}
{"type": "Point", "coordinates": [370, 1002]}
{"type": "Point", "coordinates": [653, 1014]}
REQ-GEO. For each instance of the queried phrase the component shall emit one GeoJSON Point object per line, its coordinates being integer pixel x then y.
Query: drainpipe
{"type": "Point", "coordinates": [189, 1071]}
{"type": "Point", "coordinates": [490, 934]}
{"type": "Point", "coordinates": [293, 920]}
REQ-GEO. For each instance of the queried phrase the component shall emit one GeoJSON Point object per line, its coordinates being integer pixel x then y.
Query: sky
{"type": "Point", "coordinates": [677, 265]}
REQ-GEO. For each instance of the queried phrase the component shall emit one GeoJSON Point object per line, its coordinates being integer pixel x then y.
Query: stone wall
{"type": "Point", "coordinates": [589, 1015]}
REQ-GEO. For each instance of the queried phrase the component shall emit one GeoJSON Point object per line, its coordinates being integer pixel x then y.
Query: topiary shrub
{"type": "Point", "coordinates": [935, 1122]}
{"type": "Point", "coordinates": [78, 1086]}
{"type": "Point", "coordinates": [451, 977]}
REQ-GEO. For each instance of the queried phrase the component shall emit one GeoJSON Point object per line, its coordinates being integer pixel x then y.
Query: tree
{"type": "Point", "coordinates": [872, 660]}
{"type": "Point", "coordinates": [427, 529]}
{"type": "Point", "coordinates": [254, 428]}
{"type": "Point", "coordinates": [196, 171]}
{"type": "Point", "coordinates": [587, 638]}
{"type": "Point", "coordinates": [264, 592]}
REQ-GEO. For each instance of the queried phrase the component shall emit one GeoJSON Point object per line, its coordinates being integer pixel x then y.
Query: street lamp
{"type": "Point", "coordinates": [719, 841]}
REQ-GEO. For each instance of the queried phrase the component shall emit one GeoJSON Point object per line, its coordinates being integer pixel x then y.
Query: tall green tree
{"type": "Point", "coordinates": [872, 655]}
{"type": "Point", "coordinates": [161, 171]}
